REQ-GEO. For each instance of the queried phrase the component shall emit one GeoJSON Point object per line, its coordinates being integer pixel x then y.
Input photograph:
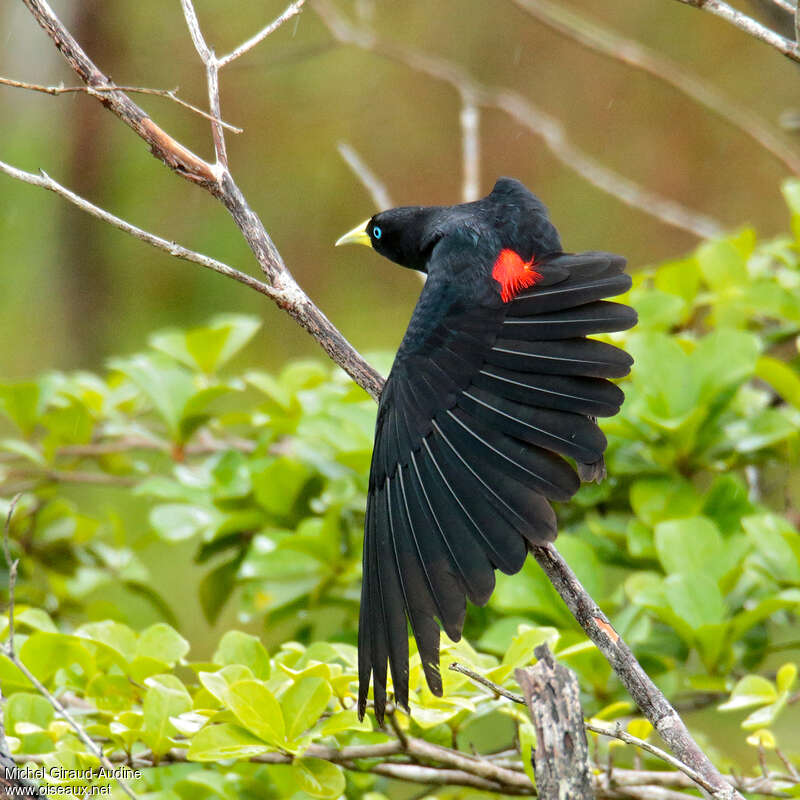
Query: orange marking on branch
{"type": "Point", "coordinates": [607, 629]}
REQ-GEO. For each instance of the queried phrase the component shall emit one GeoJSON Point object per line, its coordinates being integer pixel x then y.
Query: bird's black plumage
{"type": "Point", "coordinates": [494, 386]}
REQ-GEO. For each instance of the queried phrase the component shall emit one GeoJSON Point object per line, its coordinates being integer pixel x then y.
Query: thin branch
{"type": "Point", "coordinates": [212, 78]}
{"type": "Point", "coordinates": [291, 11]}
{"type": "Point", "coordinates": [612, 731]}
{"type": "Point", "coordinates": [748, 25]}
{"type": "Point", "coordinates": [369, 180]}
{"type": "Point", "coordinates": [785, 5]}
{"type": "Point", "coordinates": [11, 654]}
{"type": "Point", "coordinates": [613, 45]}
{"type": "Point", "coordinates": [44, 181]}
{"type": "Point", "coordinates": [541, 124]}
{"type": "Point", "coordinates": [498, 690]}
{"type": "Point", "coordinates": [96, 91]}
{"type": "Point", "coordinates": [616, 732]}
{"type": "Point", "coordinates": [797, 26]}
{"type": "Point", "coordinates": [469, 118]}
{"type": "Point", "coordinates": [12, 568]}
{"type": "Point", "coordinates": [162, 145]}
{"type": "Point", "coordinates": [287, 294]}
{"type": "Point", "coordinates": [71, 476]}
{"type": "Point", "coordinates": [651, 701]}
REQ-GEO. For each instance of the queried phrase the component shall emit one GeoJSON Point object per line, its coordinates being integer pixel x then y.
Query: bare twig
{"type": "Point", "coordinates": [541, 124]}
{"type": "Point", "coordinates": [617, 732]}
{"type": "Point", "coordinates": [72, 476]}
{"type": "Point", "coordinates": [748, 25]}
{"type": "Point", "coordinates": [212, 79]}
{"type": "Point", "coordinates": [12, 568]}
{"type": "Point", "coordinates": [797, 26]}
{"type": "Point", "coordinates": [96, 91]}
{"type": "Point", "coordinates": [785, 5]}
{"type": "Point", "coordinates": [46, 182]}
{"type": "Point", "coordinates": [10, 653]}
{"type": "Point", "coordinates": [498, 690]}
{"type": "Point", "coordinates": [609, 43]}
{"type": "Point", "coordinates": [217, 180]}
{"type": "Point", "coordinates": [470, 147]}
{"type": "Point", "coordinates": [369, 180]}
{"type": "Point", "coordinates": [291, 11]}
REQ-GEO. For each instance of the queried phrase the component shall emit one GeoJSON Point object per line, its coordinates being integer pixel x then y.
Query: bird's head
{"type": "Point", "coordinates": [404, 235]}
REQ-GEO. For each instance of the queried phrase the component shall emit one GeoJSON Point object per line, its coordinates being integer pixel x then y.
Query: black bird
{"type": "Point", "coordinates": [494, 385]}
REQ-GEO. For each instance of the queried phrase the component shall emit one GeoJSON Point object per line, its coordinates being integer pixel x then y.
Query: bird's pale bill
{"type": "Point", "coordinates": [358, 235]}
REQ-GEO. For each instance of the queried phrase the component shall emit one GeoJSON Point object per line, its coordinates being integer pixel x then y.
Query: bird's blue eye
{"type": "Point", "coordinates": [377, 232]}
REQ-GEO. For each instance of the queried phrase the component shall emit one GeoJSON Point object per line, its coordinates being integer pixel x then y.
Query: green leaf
{"type": "Point", "coordinates": [778, 545]}
{"type": "Point", "coordinates": [236, 647]}
{"type": "Point", "coordinates": [114, 634]}
{"type": "Point", "coordinates": [657, 499]}
{"type": "Point", "coordinates": [27, 708]}
{"type": "Point", "coordinates": [165, 697]}
{"type": "Point", "coordinates": [527, 744]}
{"type": "Point", "coordinates": [694, 599]}
{"type": "Point", "coordinates": [657, 310]}
{"type": "Point", "coordinates": [221, 742]}
{"type": "Point", "coordinates": [210, 347]}
{"type": "Point", "coordinates": [791, 193]}
{"type": "Point", "coordinates": [257, 709]}
{"type": "Point", "coordinates": [520, 653]}
{"type": "Point", "coordinates": [781, 377]}
{"type": "Point", "coordinates": [21, 402]}
{"type": "Point", "coordinates": [724, 358]}
{"type": "Point", "coordinates": [217, 586]}
{"type": "Point", "coordinates": [691, 544]}
{"type": "Point", "coordinates": [167, 386]}
{"type": "Point", "coordinates": [45, 653]}
{"type": "Point", "coordinates": [722, 263]}
{"type": "Point", "coordinates": [341, 721]}
{"type": "Point", "coordinates": [303, 704]}
{"type": "Point", "coordinates": [174, 522]}
{"type": "Point", "coordinates": [786, 677]}
{"type": "Point", "coordinates": [111, 692]}
{"type": "Point", "coordinates": [681, 278]}
{"type": "Point", "coordinates": [163, 643]}
{"type": "Point", "coordinates": [278, 485]}
{"type": "Point", "coordinates": [318, 778]}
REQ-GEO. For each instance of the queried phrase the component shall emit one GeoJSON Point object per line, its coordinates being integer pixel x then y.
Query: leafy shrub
{"type": "Point", "coordinates": [689, 545]}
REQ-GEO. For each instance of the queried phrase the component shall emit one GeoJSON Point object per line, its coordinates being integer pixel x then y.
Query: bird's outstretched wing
{"type": "Point", "coordinates": [477, 415]}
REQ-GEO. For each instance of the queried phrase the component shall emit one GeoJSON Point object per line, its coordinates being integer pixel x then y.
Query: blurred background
{"type": "Point", "coordinates": [76, 291]}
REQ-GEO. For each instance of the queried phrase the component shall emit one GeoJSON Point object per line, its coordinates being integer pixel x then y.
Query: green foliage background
{"type": "Point", "coordinates": [690, 545]}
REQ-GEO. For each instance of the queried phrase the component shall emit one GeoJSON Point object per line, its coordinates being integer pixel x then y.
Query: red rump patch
{"type": "Point", "coordinates": [513, 274]}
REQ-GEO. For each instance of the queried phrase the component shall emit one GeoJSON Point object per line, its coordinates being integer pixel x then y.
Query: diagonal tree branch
{"type": "Point", "coordinates": [747, 24]}
{"type": "Point", "coordinates": [216, 179]}
{"type": "Point", "coordinates": [538, 122]}
{"type": "Point", "coordinates": [291, 11]}
{"type": "Point", "coordinates": [589, 34]}
{"type": "Point", "coordinates": [44, 181]}
{"type": "Point", "coordinates": [369, 180]}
